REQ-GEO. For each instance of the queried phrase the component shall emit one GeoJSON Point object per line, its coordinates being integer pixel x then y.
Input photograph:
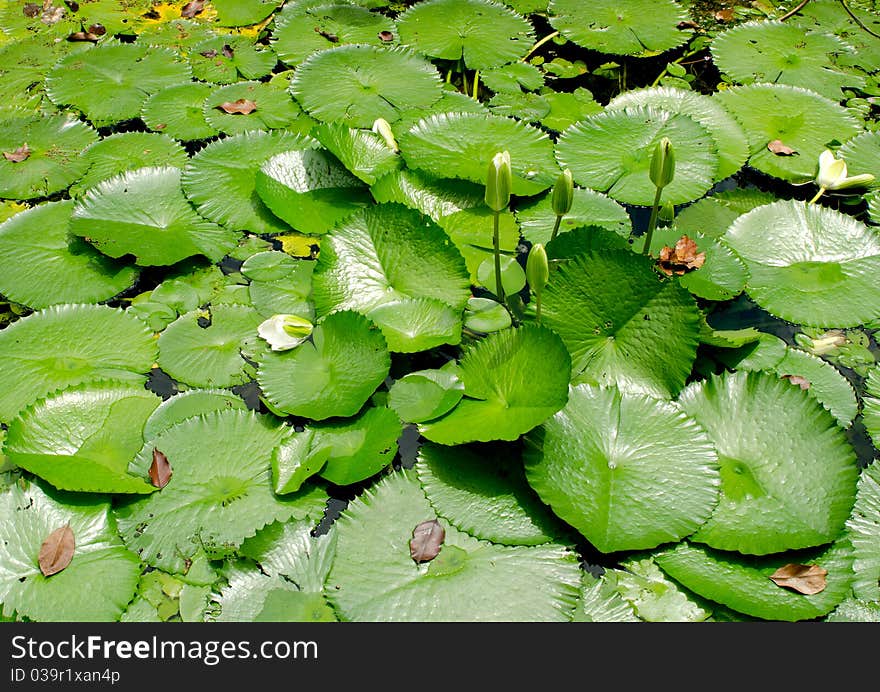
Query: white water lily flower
{"type": "Point", "coordinates": [284, 332]}
{"type": "Point", "coordinates": [832, 173]}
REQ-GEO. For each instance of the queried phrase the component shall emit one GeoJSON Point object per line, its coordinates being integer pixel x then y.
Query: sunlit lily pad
{"type": "Point", "coordinates": [809, 264]}
{"type": "Point", "coordinates": [712, 214]}
{"type": "Point", "coordinates": [589, 208]}
{"type": "Point", "coordinates": [238, 108]}
{"type": "Point", "coordinates": [601, 601]}
{"type": "Point", "coordinates": [67, 344]}
{"type": "Point", "coordinates": [42, 264]}
{"type": "Point", "coordinates": [422, 395]}
{"type": "Point", "coordinates": [596, 460]}
{"type": "Point", "coordinates": [223, 58]}
{"type": "Point", "coordinates": [192, 402]}
{"type": "Point", "coordinates": [434, 197]}
{"type": "Point", "coordinates": [568, 107]}
{"type": "Point", "coordinates": [177, 111]}
{"type": "Point", "coordinates": [279, 284]}
{"type": "Point", "coordinates": [243, 12]}
{"type": "Point", "coordinates": [375, 579]}
{"type": "Point", "coordinates": [788, 473]}
{"type": "Point", "coordinates": [363, 152]}
{"type": "Point", "coordinates": [871, 404]}
{"type": "Point", "coordinates": [863, 529]}
{"type": "Point", "coordinates": [23, 64]}
{"type": "Point", "coordinates": [824, 381]}
{"type": "Point", "coordinates": [652, 595]}
{"type": "Point", "coordinates": [862, 155]}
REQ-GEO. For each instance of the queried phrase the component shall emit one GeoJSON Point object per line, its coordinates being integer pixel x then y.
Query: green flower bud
{"type": "Point", "coordinates": [382, 128]}
{"type": "Point", "coordinates": [663, 163]}
{"type": "Point", "coordinates": [563, 193]}
{"type": "Point", "coordinates": [499, 180]}
{"type": "Point", "coordinates": [537, 268]}
{"type": "Point", "coordinates": [667, 213]}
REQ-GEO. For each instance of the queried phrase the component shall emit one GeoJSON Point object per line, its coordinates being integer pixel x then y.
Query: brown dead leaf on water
{"type": "Point", "coordinates": [805, 579]}
{"type": "Point", "coordinates": [191, 9]}
{"type": "Point", "coordinates": [780, 149]}
{"type": "Point", "coordinates": [57, 550]}
{"type": "Point", "coordinates": [681, 259]}
{"type": "Point", "coordinates": [242, 106]}
{"type": "Point", "coordinates": [426, 541]}
{"type": "Point", "coordinates": [18, 155]}
{"type": "Point", "coordinates": [160, 470]}
{"type": "Point", "coordinates": [724, 15]}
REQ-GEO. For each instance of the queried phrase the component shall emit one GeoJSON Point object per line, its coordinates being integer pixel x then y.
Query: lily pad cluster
{"type": "Point", "coordinates": [457, 310]}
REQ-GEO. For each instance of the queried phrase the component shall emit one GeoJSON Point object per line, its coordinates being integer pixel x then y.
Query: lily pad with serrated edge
{"type": "Point", "coordinates": [809, 264]}
{"type": "Point", "coordinates": [743, 582]}
{"type": "Point", "coordinates": [589, 208]}
{"type": "Point", "coordinates": [177, 111]}
{"type": "Point", "coordinates": [68, 344]}
{"type": "Point", "coordinates": [481, 490]}
{"type": "Point", "coordinates": [730, 139]}
{"type": "Point", "coordinates": [461, 145]}
{"type": "Point", "coordinates": [220, 491]}
{"type": "Point", "coordinates": [310, 190]}
{"type": "Point", "coordinates": [363, 152]}
{"type": "Point", "coordinates": [222, 59]}
{"type": "Point", "coordinates": [333, 374]}
{"type": "Point", "coordinates": [513, 77]}
{"type": "Point", "coordinates": [854, 609]}
{"type": "Point", "coordinates": [178, 33]}
{"type": "Point", "coordinates": [130, 72]}
{"type": "Point", "coordinates": [235, 13]}
{"type": "Point", "coordinates": [289, 549]}
{"type": "Point", "coordinates": [596, 463]}
{"type": "Point", "coordinates": [611, 152]}
{"type": "Point", "coordinates": [871, 404]}
{"type": "Point", "coordinates": [862, 154]}
{"type": "Point", "coordinates": [23, 65]}
{"type": "Point", "coordinates": [272, 108]}
{"type": "Point", "coordinates": [449, 102]}
{"type": "Point", "coordinates": [513, 381]}
{"type": "Point", "coordinates": [99, 581]}
{"type": "Point", "coordinates": [798, 117]}
{"type": "Point", "coordinates": [375, 579]}
{"type": "Point", "coordinates": [873, 200]}
{"type": "Point", "coordinates": [83, 437]}
{"type": "Point", "coordinates": [301, 30]}
{"type": "Point", "coordinates": [773, 51]}
{"type": "Point", "coordinates": [622, 323]}
{"type": "Point", "coordinates": [481, 33]}
{"type": "Point", "coordinates": [127, 151]}
{"type": "Point", "coordinates": [434, 197]}
{"type": "Point", "coordinates": [568, 107]}
{"type": "Point", "coordinates": [601, 602]}
{"type": "Point", "coordinates": [788, 472]}
{"type": "Point", "coordinates": [144, 213]}
{"type": "Point", "coordinates": [863, 530]}
{"type": "Point", "coordinates": [41, 264]}
{"type": "Point", "coordinates": [526, 107]}
{"type": "Point", "coordinates": [421, 395]}
{"type": "Point", "coordinates": [713, 214]}
{"type": "Point", "coordinates": [640, 28]}
{"type": "Point", "coordinates": [231, 165]}
{"type": "Point", "coordinates": [279, 284]}
{"type": "Point", "coordinates": [54, 144]}
{"type": "Point", "coordinates": [389, 255]}
{"type": "Point", "coordinates": [189, 403]}
{"type": "Point", "coordinates": [358, 83]}
{"type": "Point", "coordinates": [653, 596]}
{"type": "Point", "coordinates": [209, 348]}
{"type": "Point", "coordinates": [471, 231]}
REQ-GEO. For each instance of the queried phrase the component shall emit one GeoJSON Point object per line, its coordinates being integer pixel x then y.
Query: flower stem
{"type": "Point", "coordinates": [818, 195]}
{"type": "Point", "coordinates": [556, 228]}
{"type": "Point", "coordinates": [496, 246]}
{"type": "Point", "coordinates": [538, 306]}
{"type": "Point", "coordinates": [652, 222]}
{"type": "Point", "coordinates": [548, 37]}
{"type": "Point", "coordinates": [476, 85]}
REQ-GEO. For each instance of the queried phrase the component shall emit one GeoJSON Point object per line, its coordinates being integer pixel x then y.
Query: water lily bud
{"type": "Point", "coordinates": [499, 180]}
{"type": "Point", "coordinates": [662, 163]}
{"type": "Point", "coordinates": [666, 213]}
{"type": "Point", "coordinates": [563, 193]}
{"type": "Point", "coordinates": [284, 332]}
{"type": "Point", "coordinates": [832, 173]}
{"type": "Point", "coordinates": [537, 268]}
{"type": "Point", "coordinates": [383, 128]}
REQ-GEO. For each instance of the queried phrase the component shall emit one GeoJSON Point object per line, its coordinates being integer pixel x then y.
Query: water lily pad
{"type": "Point", "coordinates": [596, 460]}
{"type": "Point", "coordinates": [773, 51]}
{"type": "Point", "coordinates": [809, 264]}
{"type": "Point", "coordinates": [602, 602]}
{"type": "Point", "coordinates": [396, 267]}
{"type": "Point", "coordinates": [333, 374]}
{"type": "Point", "coordinates": [99, 581]}
{"type": "Point", "coordinates": [177, 111]}
{"type": "Point", "coordinates": [187, 404]}
{"type": "Point", "coordinates": [471, 231]}
{"type": "Point", "coordinates": [359, 83]}
{"type": "Point", "coordinates": [624, 27]}
{"type": "Point", "coordinates": [279, 284]}
{"type": "Point", "coordinates": [788, 473]}
{"type": "Point", "coordinates": [503, 395]}
{"type": "Point", "coordinates": [436, 198]}
{"type": "Point", "coordinates": [84, 437]}
{"type": "Point", "coordinates": [861, 154]}
{"type": "Point", "coordinates": [622, 323]}
{"type": "Point", "coordinates": [237, 108]}
{"type": "Point", "coordinates": [67, 344]}
{"type": "Point", "coordinates": [568, 107]}
{"type": "Point", "coordinates": [588, 208]}
{"type": "Point", "coordinates": [800, 118]}
{"type": "Point", "coordinates": [374, 578]}
{"type": "Point", "coordinates": [873, 200]}
{"type": "Point", "coordinates": [611, 152]}
{"type": "Point", "coordinates": [652, 595]}
{"type": "Point", "coordinates": [824, 381]}
{"type": "Point", "coordinates": [481, 33]}
{"type": "Point", "coordinates": [712, 215]}
{"type": "Point", "coordinates": [220, 492]}
{"type": "Point", "coordinates": [144, 213]}
{"type": "Point", "coordinates": [863, 529]}
{"type": "Point", "coordinates": [243, 12]}
{"type": "Point", "coordinates": [512, 78]}
{"type": "Point", "coordinates": [54, 147]}
{"type": "Point", "coordinates": [743, 583]}
{"type": "Point", "coordinates": [461, 145]}
{"type": "Point", "coordinates": [527, 107]}
{"type": "Point", "coordinates": [223, 58]}
{"type": "Point", "coordinates": [871, 404]}
{"type": "Point", "coordinates": [41, 264]}
{"type": "Point", "coordinates": [231, 165]}
{"type": "Point", "coordinates": [363, 152]}
{"type": "Point", "coordinates": [129, 71]}
{"type": "Point", "coordinates": [23, 65]}
{"type": "Point", "coordinates": [422, 395]}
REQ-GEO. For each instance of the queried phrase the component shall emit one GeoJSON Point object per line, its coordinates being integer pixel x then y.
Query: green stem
{"type": "Point", "coordinates": [476, 85]}
{"type": "Point", "coordinates": [652, 222]}
{"type": "Point", "coordinates": [555, 228]}
{"type": "Point", "coordinates": [538, 306]}
{"type": "Point", "coordinates": [464, 81]}
{"type": "Point", "coordinates": [857, 20]}
{"type": "Point", "coordinates": [548, 37]}
{"type": "Point", "coordinates": [792, 13]}
{"type": "Point", "coordinates": [449, 76]}
{"type": "Point", "coordinates": [818, 195]}
{"type": "Point", "coordinates": [496, 246]}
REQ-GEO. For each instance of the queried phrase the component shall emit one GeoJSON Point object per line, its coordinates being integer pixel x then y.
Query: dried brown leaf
{"type": "Point", "coordinates": [780, 149]}
{"type": "Point", "coordinates": [209, 53]}
{"type": "Point", "coordinates": [56, 552]}
{"type": "Point", "coordinates": [97, 29]}
{"type": "Point", "coordinates": [191, 9]}
{"type": "Point", "coordinates": [31, 9]}
{"type": "Point", "coordinates": [83, 36]}
{"type": "Point", "coordinates": [18, 155]}
{"type": "Point", "coordinates": [688, 24]}
{"type": "Point", "coordinates": [160, 470]}
{"type": "Point", "coordinates": [426, 541]}
{"type": "Point", "coordinates": [386, 36]}
{"type": "Point", "coordinates": [333, 38]}
{"type": "Point", "coordinates": [802, 382]}
{"type": "Point", "coordinates": [805, 579]}
{"type": "Point", "coordinates": [243, 106]}
{"type": "Point", "coordinates": [227, 51]}
{"type": "Point", "coordinates": [681, 259]}
{"type": "Point", "coordinates": [724, 15]}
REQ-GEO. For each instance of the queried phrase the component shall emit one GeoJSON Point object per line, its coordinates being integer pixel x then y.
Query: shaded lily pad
{"type": "Point", "coordinates": [863, 529]}
{"type": "Point", "coordinates": [422, 395]}
{"type": "Point", "coordinates": [568, 107]}
{"type": "Point", "coordinates": [177, 111]}
{"type": "Point", "coordinates": [712, 215]}
{"type": "Point", "coordinates": [279, 284]}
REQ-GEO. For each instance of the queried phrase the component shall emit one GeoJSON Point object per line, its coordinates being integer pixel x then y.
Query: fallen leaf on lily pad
{"type": "Point", "coordinates": [805, 579]}
{"type": "Point", "coordinates": [386, 36]}
{"type": "Point", "coordinates": [56, 552]}
{"type": "Point", "coordinates": [426, 541]}
{"type": "Point", "coordinates": [780, 149]}
{"type": "Point", "coordinates": [160, 470]}
{"type": "Point", "coordinates": [724, 15]}
{"type": "Point", "coordinates": [191, 9]}
{"type": "Point", "coordinates": [681, 259]}
{"type": "Point", "coordinates": [83, 36]}
{"type": "Point", "coordinates": [18, 155]}
{"type": "Point", "coordinates": [243, 106]}
{"type": "Point", "coordinates": [802, 382]}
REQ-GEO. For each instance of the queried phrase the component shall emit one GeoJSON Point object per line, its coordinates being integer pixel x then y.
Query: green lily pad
{"type": "Point", "coordinates": [863, 529]}
{"type": "Point", "coordinates": [854, 610]}
{"type": "Point", "coordinates": [187, 404]}
{"type": "Point", "coordinates": [55, 145]}
{"type": "Point", "coordinates": [809, 264]}
{"type": "Point", "coordinates": [596, 460]}
{"type": "Point", "coordinates": [363, 152]}
{"type": "Point", "coordinates": [743, 583]}
{"type": "Point", "coordinates": [374, 578]}
{"type": "Point", "coordinates": [871, 405]}
{"type": "Point", "coordinates": [64, 345]}
{"type": "Point", "coordinates": [788, 473]}
{"type": "Point", "coordinates": [436, 198]}
{"type": "Point", "coordinates": [279, 284]}
{"type": "Point", "coordinates": [243, 12]}
{"type": "Point", "coordinates": [823, 381]}
{"type": "Point", "coordinates": [357, 84]}
{"type": "Point", "coordinates": [398, 268]}
{"type": "Point", "coordinates": [601, 601]}
{"type": "Point", "coordinates": [359, 448]}
{"type": "Point", "coordinates": [588, 208]}
{"type": "Point", "coordinates": [622, 323]}
{"type": "Point", "coordinates": [84, 437]}
{"type": "Point", "coordinates": [333, 374]}
{"type": "Point", "coordinates": [652, 595]}
{"type": "Point", "coordinates": [177, 111]}
{"type": "Point", "coordinates": [873, 200]}
{"type": "Point", "coordinates": [568, 107]}
{"type": "Point", "coordinates": [41, 264]}
{"type": "Point", "coordinates": [471, 231]}
{"type": "Point", "coordinates": [144, 213]}
{"type": "Point", "coordinates": [265, 107]}
{"type": "Point", "coordinates": [484, 315]}
{"type": "Point", "coordinates": [223, 58]}
{"type": "Point", "coordinates": [861, 154]}
{"type": "Point", "coordinates": [422, 395]}
{"type": "Point", "coordinates": [513, 381]}
{"type": "Point", "coordinates": [99, 581]}
{"type": "Point", "coordinates": [177, 33]}
{"type": "Point", "coordinates": [611, 152]}
{"type": "Point", "coordinates": [481, 33]}
{"type": "Point", "coordinates": [527, 107]}
{"type": "Point", "coordinates": [512, 78]}
{"type": "Point", "coordinates": [712, 215]}
{"type": "Point", "coordinates": [129, 71]}
{"type": "Point", "coordinates": [23, 64]}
